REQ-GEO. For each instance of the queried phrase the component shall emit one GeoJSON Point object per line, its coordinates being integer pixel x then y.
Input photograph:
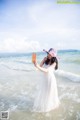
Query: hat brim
{"type": "Point", "coordinates": [47, 52]}
{"type": "Point", "coordinates": [50, 54]}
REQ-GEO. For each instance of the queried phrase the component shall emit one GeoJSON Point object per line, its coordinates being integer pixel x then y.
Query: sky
{"type": "Point", "coordinates": [34, 25]}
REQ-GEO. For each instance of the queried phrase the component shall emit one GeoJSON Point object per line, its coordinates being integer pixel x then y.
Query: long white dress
{"type": "Point", "coordinates": [47, 97]}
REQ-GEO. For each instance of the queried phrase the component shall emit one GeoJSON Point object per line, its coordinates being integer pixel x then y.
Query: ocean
{"type": "Point", "coordinates": [18, 83]}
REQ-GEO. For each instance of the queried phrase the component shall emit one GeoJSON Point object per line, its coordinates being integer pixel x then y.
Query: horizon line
{"type": "Point", "coordinates": [39, 51]}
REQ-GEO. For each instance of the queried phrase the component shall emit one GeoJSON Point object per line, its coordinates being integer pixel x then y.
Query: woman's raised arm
{"type": "Point", "coordinates": [42, 62]}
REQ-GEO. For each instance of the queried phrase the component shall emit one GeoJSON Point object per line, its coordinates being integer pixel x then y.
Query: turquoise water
{"type": "Point", "coordinates": [19, 79]}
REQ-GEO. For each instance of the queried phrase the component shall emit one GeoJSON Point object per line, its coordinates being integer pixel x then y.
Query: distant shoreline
{"type": "Point", "coordinates": [66, 50]}
{"type": "Point", "coordinates": [19, 54]}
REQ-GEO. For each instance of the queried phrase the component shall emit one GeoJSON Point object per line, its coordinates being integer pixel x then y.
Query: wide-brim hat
{"type": "Point", "coordinates": [51, 51]}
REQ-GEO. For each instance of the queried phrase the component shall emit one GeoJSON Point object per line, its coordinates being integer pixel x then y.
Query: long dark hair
{"type": "Point", "coordinates": [51, 61]}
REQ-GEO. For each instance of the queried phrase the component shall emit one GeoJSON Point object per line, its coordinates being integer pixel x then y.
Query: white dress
{"type": "Point", "coordinates": [47, 97]}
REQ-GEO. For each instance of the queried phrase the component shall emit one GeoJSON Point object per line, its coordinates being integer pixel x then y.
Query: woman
{"type": "Point", "coordinates": [47, 98]}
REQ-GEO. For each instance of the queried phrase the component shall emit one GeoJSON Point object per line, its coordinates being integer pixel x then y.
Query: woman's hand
{"type": "Point", "coordinates": [35, 63]}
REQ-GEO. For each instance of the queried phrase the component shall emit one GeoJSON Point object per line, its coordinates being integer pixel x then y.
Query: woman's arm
{"type": "Point", "coordinates": [44, 69]}
{"type": "Point", "coordinates": [41, 68]}
{"type": "Point", "coordinates": [42, 62]}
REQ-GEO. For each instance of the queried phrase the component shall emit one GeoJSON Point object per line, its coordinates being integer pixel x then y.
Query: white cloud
{"type": "Point", "coordinates": [39, 25]}
{"type": "Point", "coordinates": [13, 45]}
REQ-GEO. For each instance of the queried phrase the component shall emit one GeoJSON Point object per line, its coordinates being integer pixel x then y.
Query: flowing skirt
{"type": "Point", "coordinates": [47, 97]}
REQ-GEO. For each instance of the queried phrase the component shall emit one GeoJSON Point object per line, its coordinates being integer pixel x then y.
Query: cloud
{"type": "Point", "coordinates": [36, 25]}
{"type": "Point", "coordinates": [13, 45]}
{"type": "Point", "coordinates": [39, 40]}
